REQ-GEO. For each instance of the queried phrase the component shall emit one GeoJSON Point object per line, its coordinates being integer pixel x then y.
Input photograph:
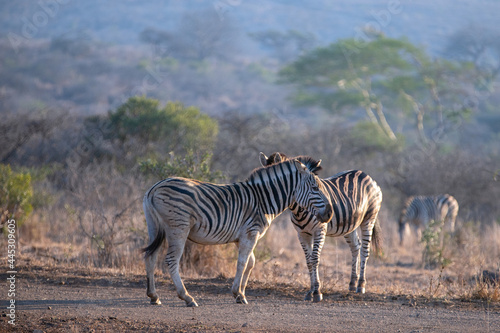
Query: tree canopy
{"type": "Point", "coordinates": [391, 80]}
{"type": "Point", "coordinates": [174, 126]}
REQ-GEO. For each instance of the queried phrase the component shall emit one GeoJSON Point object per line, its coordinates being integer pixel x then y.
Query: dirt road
{"type": "Point", "coordinates": [54, 299]}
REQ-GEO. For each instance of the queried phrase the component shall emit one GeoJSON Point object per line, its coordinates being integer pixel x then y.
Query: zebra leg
{"type": "Point", "coordinates": [353, 240]}
{"type": "Point", "coordinates": [150, 261]}
{"type": "Point", "coordinates": [366, 236]}
{"type": "Point", "coordinates": [175, 249]}
{"type": "Point", "coordinates": [452, 224]}
{"type": "Point", "coordinates": [248, 270]}
{"type": "Point", "coordinates": [418, 231]}
{"type": "Point", "coordinates": [245, 251]}
{"type": "Point", "coordinates": [319, 241]}
{"type": "Point", "coordinates": [306, 241]}
{"type": "Point", "coordinates": [150, 271]}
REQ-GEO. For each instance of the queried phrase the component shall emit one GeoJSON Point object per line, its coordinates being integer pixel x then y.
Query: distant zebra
{"type": "Point", "coordinates": [356, 200]}
{"type": "Point", "coordinates": [419, 211]}
{"type": "Point", "coordinates": [178, 209]}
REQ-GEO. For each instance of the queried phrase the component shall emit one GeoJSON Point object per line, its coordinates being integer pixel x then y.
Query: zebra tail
{"type": "Point", "coordinates": [152, 221]}
{"type": "Point", "coordinates": [377, 239]}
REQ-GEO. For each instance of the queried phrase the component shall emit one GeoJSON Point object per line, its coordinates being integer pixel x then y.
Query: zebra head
{"type": "Point", "coordinates": [311, 167]}
{"type": "Point", "coordinates": [311, 194]}
{"type": "Point", "coordinates": [272, 159]}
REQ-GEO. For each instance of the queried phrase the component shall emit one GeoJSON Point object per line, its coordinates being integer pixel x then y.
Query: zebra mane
{"type": "Point", "coordinates": [308, 161]}
{"type": "Point", "coordinates": [257, 171]}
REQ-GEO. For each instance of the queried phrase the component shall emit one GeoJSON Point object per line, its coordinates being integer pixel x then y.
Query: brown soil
{"type": "Point", "coordinates": [55, 299]}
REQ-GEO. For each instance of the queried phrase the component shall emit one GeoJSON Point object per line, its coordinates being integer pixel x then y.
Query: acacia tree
{"type": "Point", "coordinates": [438, 97]}
{"type": "Point", "coordinates": [386, 78]}
{"type": "Point", "coordinates": [349, 74]}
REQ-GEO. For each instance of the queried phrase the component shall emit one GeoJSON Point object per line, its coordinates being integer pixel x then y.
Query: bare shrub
{"type": "Point", "coordinates": [209, 260]}
{"type": "Point", "coordinates": [468, 177]}
{"type": "Point", "coordinates": [484, 286]}
{"type": "Point", "coordinates": [249, 135]}
{"type": "Point", "coordinates": [106, 207]}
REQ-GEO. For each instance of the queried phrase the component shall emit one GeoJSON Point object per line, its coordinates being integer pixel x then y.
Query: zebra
{"type": "Point", "coordinates": [419, 211]}
{"type": "Point", "coordinates": [356, 200]}
{"type": "Point", "coordinates": [178, 209]}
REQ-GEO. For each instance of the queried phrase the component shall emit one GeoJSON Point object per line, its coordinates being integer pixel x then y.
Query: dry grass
{"type": "Point", "coordinates": [55, 237]}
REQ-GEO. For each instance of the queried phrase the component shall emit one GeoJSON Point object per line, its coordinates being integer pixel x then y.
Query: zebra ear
{"type": "Point", "coordinates": [263, 159]}
{"type": "Point", "coordinates": [317, 164]}
{"type": "Point", "coordinates": [301, 167]}
{"type": "Point", "coordinates": [278, 158]}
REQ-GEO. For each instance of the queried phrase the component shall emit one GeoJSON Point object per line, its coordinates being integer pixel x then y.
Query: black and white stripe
{"type": "Point", "coordinates": [178, 209]}
{"type": "Point", "coordinates": [356, 199]}
{"type": "Point", "coordinates": [419, 211]}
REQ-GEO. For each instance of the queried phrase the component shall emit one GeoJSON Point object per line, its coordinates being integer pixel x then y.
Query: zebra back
{"type": "Point", "coordinates": [357, 196]}
{"type": "Point", "coordinates": [420, 210]}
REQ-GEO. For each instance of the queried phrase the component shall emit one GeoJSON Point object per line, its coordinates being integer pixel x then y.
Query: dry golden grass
{"type": "Point", "coordinates": [280, 260]}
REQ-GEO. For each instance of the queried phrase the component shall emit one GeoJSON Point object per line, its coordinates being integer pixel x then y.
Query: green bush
{"type": "Point", "coordinates": [16, 194]}
{"type": "Point", "coordinates": [434, 247]}
{"type": "Point", "coordinates": [175, 126]}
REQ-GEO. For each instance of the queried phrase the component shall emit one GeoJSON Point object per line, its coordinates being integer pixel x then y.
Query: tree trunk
{"type": "Point", "coordinates": [383, 122]}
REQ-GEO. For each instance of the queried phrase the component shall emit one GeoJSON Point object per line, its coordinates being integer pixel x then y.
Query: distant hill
{"type": "Point", "coordinates": [87, 57]}
{"type": "Point", "coordinates": [120, 21]}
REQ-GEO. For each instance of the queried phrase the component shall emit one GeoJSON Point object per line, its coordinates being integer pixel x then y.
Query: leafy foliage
{"type": "Point", "coordinates": [391, 80]}
{"type": "Point", "coordinates": [139, 117]}
{"type": "Point", "coordinates": [141, 128]}
{"type": "Point", "coordinates": [188, 166]}
{"type": "Point", "coordinates": [349, 66]}
{"type": "Point", "coordinates": [16, 194]}
{"type": "Point", "coordinates": [353, 74]}
{"type": "Point", "coordinates": [433, 240]}
{"type": "Point", "coordinates": [174, 125]}
{"type": "Point", "coordinates": [368, 137]}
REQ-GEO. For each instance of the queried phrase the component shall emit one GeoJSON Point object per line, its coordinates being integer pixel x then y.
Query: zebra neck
{"type": "Point", "coordinates": [272, 196]}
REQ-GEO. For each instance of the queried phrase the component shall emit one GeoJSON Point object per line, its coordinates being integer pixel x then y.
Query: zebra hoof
{"type": "Point", "coordinates": [192, 304]}
{"type": "Point", "coordinates": [361, 290]}
{"type": "Point", "coordinates": [155, 301]}
{"type": "Point", "coordinates": [317, 298]}
{"type": "Point", "coordinates": [308, 296]}
{"type": "Point", "coordinates": [241, 299]}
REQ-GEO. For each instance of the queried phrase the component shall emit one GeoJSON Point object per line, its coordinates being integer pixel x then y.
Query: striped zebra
{"type": "Point", "coordinates": [419, 211]}
{"type": "Point", "coordinates": [178, 209]}
{"type": "Point", "coordinates": [356, 200]}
